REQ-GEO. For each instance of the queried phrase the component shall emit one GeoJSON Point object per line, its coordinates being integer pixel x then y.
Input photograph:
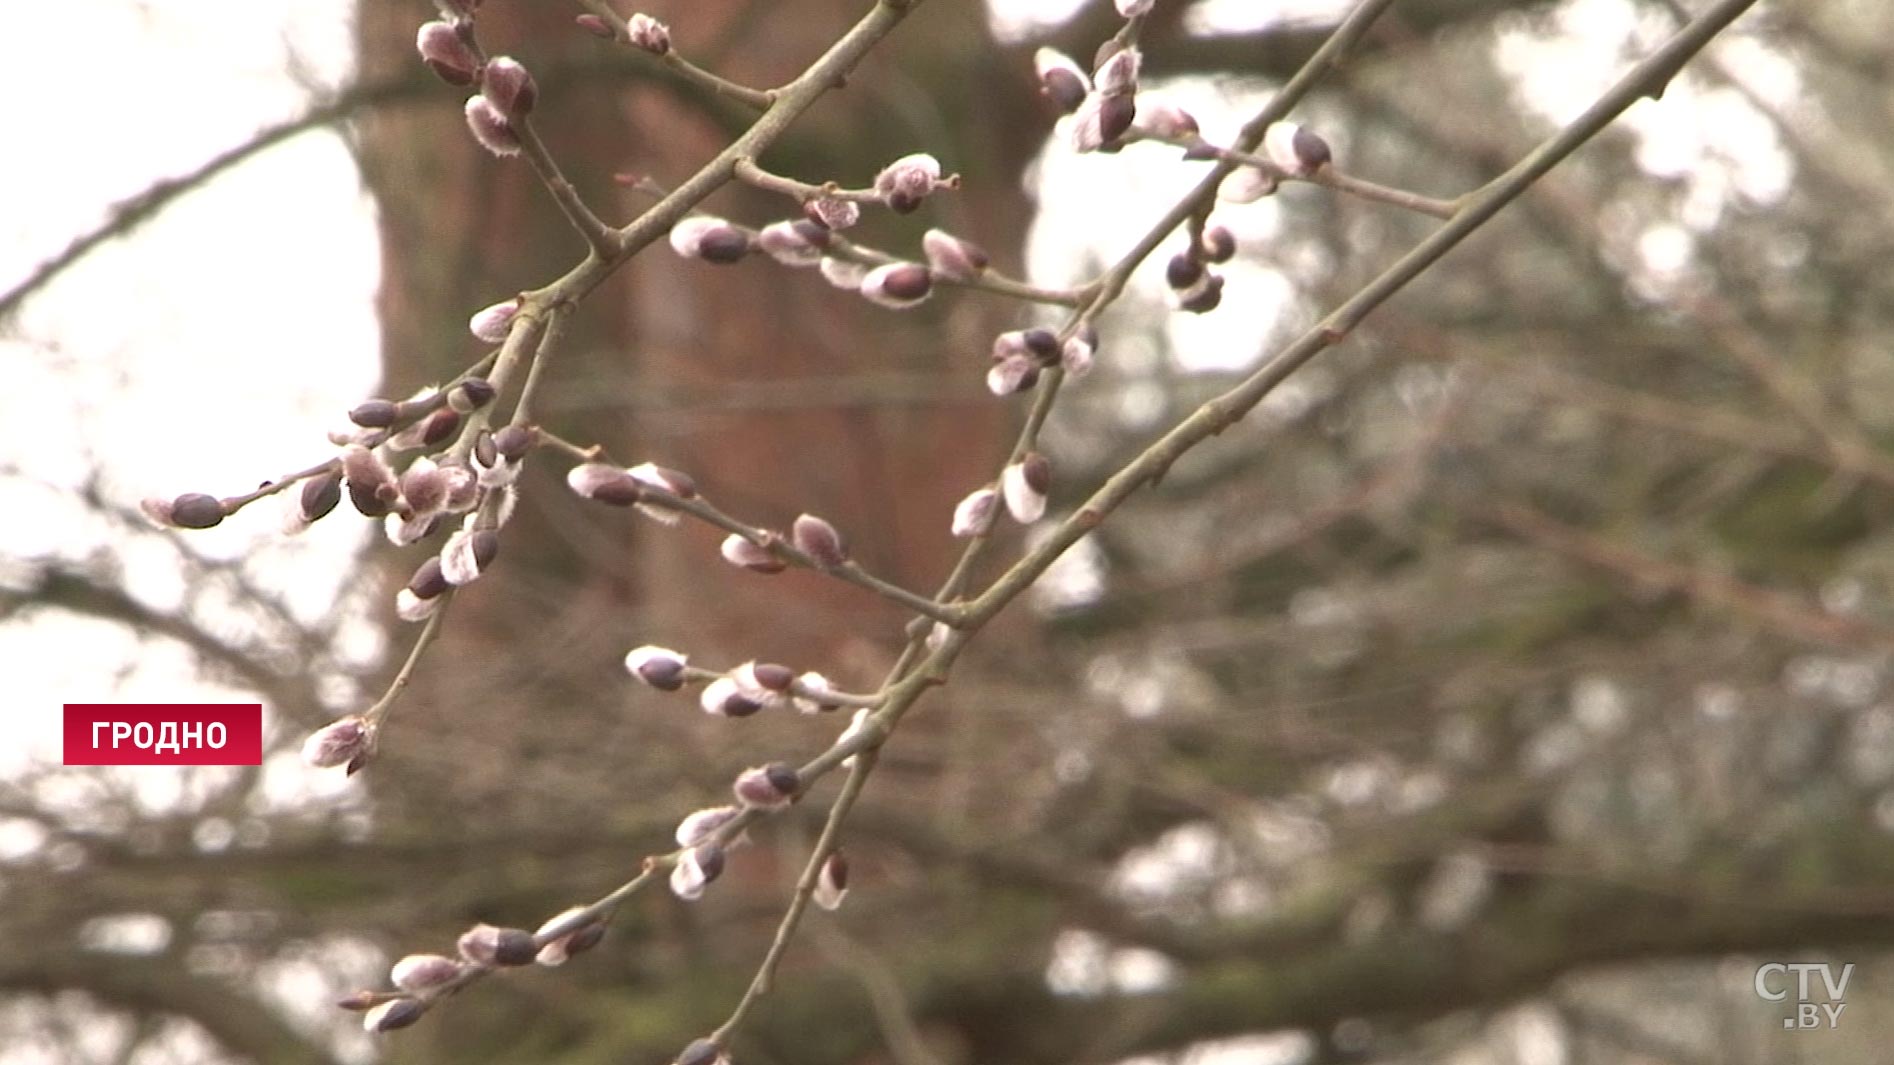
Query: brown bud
{"type": "Point", "coordinates": [510, 86]}
{"type": "Point", "coordinates": [1115, 115]}
{"type": "Point", "coordinates": [1042, 345]}
{"type": "Point", "coordinates": [375, 413]}
{"type": "Point", "coordinates": [1295, 148]}
{"type": "Point", "coordinates": [484, 944]}
{"type": "Point", "coordinates": [1204, 297]}
{"type": "Point", "coordinates": [1311, 149]}
{"type": "Point", "coordinates": [710, 859]}
{"type": "Point", "coordinates": [446, 53]}
{"type": "Point", "coordinates": [1024, 484]}
{"type": "Point", "coordinates": [513, 441]}
{"type": "Point", "coordinates": [471, 395]}
{"type": "Point", "coordinates": [768, 787]}
{"type": "Point", "coordinates": [428, 581]}
{"type": "Point", "coordinates": [819, 540]}
{"type": "Point", "coordinates": [585, 938]}
{"type": "Point", "coordinates": [1014, 373]}
{"type": "Point", "coordinates": [725, 245]}
{"type": "Point", "coordinates": [695, 869]}
{"type": "Point", "coordinates": [196, 510]}
{"type": "Point", "coordinates": [467, 554]}
{"type": "Point", "coordinates": [1182, 271]}
{"type": "Point", "coordinates": [320, 495]}
{"type": "Point", "coordinates": [605, 483]}
{"type": "Point", "coordinates": [724, 697]}
{"type": "Point", "coordinates": [709, 238]}
{"type": "Point", "coordinates": [831, 884]}
{"type": "Point", "coordinates": [814, 231]}
{"type": "Point", "coordinates": [1065, 88]}
{"type": "Point", "coordinates": [397, 1013]}
{"type": "Point", "coordinates": [1061, 80]}
{"type": "Point", "coordinates": [904, 183]}
{"type": "Point", "coordinates": [1219, 245]}
{"type": "Point", "coordinates": [775, 677]}
{"type": "Point", "coordinates": [660, 667]}
{"type": "Point", "coordinates": [367, 500]}
{"type": "Point", "coordinates": [440, 425]}
{"type": "Point", "coordinates": [898, 285]}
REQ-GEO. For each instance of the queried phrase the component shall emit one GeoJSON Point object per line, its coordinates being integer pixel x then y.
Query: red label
{"type": "Point", "coordinates": [164, 733]}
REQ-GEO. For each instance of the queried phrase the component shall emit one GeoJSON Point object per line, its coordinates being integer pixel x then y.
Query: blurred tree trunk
{"type": "Point", "coordinates": [779, 393]}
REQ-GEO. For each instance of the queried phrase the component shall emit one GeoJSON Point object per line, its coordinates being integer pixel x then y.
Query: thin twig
{"type": "Point", "coordinates": [988, 280]}
{"type": "Point", "coordinates": [748, 172]}
{"type": "Point", "coordinates": [1329, 176]}
{"type": "Point", "coordinates": [598, 235]}
{"type": "Point", "coordinates": [557, 321]}
{"type": "Point", "coordinates": [757, 99]}
{"type": "Point", "coordinates": [776, 544]}
{"type": "Point", "coordinates": [1224, 411]}
{"type": "Point", "coordinates": [805, 890]}
{"type": "Point", "coordinates": [130, 214]}
{"type": "Point", "coordinates": [928, 656]}
{"type": "Point", "coordinates": [378, 713]}
{"type": "Point", "coordinates": [421, 409]}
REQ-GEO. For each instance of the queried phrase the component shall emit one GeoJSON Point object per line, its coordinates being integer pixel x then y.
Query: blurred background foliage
{"type": "Point", "coordinates": [1505, 690]}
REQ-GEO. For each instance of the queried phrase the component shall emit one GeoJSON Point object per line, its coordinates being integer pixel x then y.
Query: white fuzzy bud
{"type": "Point", "coordinates": [904, 183]}
{"type": "Point", "coordinates": [951, 257]}
{"type": "Point", "coordinates": [974, 515]}
{"type": "Point", "coordinates": [1296, 149]}
{"type": "Point", "coordinates": [1024, 485]}
{"type": "Point", "coordinates": [700, 826]}
{"type": "Point", "coordinates": [493, 323]}
{"type": "Point", "coordinates": [739, 551]}
{"type": "Point", "coordinates": [660, 667]}
{"type": "Point", "coordinates": [842, 273]}
{"type": "Point", "coordinates": [831, 885]}
{"type": "Point", "coordinates": [421, 974]}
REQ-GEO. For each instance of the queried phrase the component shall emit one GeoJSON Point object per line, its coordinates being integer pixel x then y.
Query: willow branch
{"type": "Point", "coordinates": [1647, 78]}
{"type": "Point", "coordinates": [755, 99]}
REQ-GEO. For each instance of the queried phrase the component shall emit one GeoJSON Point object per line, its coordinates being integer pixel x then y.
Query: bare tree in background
{"type": "Point", "coordinates": [1477, 685]}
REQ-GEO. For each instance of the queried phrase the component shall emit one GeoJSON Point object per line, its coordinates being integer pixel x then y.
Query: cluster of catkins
{"type": "Point", "coordinates": [421, 980]}
{"type": "Point", "coordinates": [468, 485]}
{"type": "Point", "coordinates": [901, 186]}
{"type": "Point", "coordinates": [470, 493]}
